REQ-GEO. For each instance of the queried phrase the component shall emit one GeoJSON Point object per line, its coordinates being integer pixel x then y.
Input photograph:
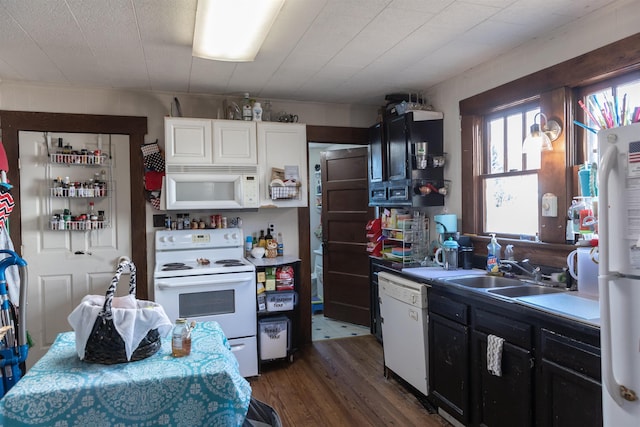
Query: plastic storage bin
{"type": "Point", "coordinates": [281, 301]}
{"type": "Point", "coordinates": [275, 340]}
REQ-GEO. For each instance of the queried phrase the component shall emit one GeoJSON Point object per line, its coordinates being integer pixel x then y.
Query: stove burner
{"type": "Point", "coordinates": [234, 262]}
{"type": "Point", "coordinates": [174, 266]}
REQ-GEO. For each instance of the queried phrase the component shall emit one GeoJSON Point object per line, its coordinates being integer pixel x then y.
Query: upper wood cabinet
{"type": "Point", "coordinates": [205, 141]}
{"type": "Point", "coordinates": [280, 145]}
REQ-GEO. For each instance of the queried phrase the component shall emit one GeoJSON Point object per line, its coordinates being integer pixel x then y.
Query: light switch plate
{"type": "Point", "coordinates": [550, 205]}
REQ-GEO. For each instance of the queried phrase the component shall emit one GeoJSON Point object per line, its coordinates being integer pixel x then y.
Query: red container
{"type": "Point", "coordinates": [374, 225]}
{"type": "Point", "coordinates": [374, 248]}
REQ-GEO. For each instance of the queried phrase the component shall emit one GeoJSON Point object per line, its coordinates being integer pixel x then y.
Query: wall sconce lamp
{"type": "Point", "coordinates": [233, 30]}
{"type": "Point", "coordinates": [540, 138]}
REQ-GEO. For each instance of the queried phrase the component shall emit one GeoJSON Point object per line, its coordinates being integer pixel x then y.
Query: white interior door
{"type": "Point", "coordinates": [66, 265]}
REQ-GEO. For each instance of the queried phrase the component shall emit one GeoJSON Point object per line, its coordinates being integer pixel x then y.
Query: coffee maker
{"type": "Point", "coordinates": [446, 227]}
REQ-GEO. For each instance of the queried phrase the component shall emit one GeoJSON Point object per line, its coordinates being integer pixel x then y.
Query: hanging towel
{"type": "Point", "coordinates": [494, 355]}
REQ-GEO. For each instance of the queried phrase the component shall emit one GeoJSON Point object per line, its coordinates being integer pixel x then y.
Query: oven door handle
{"type": "Point", "coordinates": [209, 281]}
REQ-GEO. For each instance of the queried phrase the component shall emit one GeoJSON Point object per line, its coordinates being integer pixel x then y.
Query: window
{"type": "Point", "coordinates": [510, 176]}
{"type": "Point", "coordinates": [555, 90]}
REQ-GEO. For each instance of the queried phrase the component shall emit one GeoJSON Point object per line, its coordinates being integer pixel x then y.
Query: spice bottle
{"type": "Point", "coordinates": [181, 338]}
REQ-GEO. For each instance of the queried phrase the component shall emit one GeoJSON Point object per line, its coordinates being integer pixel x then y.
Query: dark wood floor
{"type": "Point", "coordinates": [339, 382]}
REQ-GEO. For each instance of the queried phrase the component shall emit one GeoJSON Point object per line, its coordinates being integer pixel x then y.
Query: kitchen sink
{"type": "Point", "coordinates": [484, 282]}
{"type": "Point", "coordinates": [524, 291]}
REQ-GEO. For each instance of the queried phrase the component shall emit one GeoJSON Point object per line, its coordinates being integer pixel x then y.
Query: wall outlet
{"type": "Point", "coordinates": [272, 227]}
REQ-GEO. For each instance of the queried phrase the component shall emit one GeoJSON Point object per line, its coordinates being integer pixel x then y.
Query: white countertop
{"type": "Point", "coordinates": [572, 305]}
{"type": "Point", "coordinates": [435, 273]}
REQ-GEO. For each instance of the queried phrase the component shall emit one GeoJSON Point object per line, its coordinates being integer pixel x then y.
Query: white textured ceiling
{"type": "Point", "coordinates": [345, 51]}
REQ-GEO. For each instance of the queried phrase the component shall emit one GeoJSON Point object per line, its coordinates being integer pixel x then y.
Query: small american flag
{"type": "Point", "coordinates": [634, 152]}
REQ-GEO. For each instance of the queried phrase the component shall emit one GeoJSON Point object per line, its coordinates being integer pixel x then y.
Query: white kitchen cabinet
{"type": "Point", "coordinates": [280, 145]}
{"type": "Point", "coordinates": [188, 141]}
{"type": "Point", "coordinates": [191, 141]}
{"type": "Point", "coordinates": [234, 142]}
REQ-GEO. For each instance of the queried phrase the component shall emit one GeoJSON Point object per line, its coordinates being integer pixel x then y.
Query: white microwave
{"type": "Point", "coordinates": [211, 187]}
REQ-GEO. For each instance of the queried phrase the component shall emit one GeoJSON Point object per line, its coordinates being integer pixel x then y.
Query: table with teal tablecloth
{"type": "Point", "coordinates": [202, 389]}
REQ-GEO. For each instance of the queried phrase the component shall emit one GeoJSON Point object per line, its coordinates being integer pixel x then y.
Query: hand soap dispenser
{"type": "Point", "coordinates": [493, 255]}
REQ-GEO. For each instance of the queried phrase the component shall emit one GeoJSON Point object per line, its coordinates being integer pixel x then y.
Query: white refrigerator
{"type": "Point", "coordinates": [619, 273]}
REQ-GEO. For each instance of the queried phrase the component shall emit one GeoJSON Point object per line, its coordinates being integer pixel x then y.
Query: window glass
{"type": "Point", "coordinates": [511, 205]}
{"type": "Point", "coordinates": [496, 145]}
{"type": "Point", "coordinates": [510, 182]}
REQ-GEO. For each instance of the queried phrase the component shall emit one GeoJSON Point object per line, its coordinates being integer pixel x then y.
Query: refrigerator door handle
{"type": "Point", "coordinates": [618, 392]}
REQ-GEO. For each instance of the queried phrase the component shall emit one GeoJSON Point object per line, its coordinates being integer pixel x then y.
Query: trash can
{"type": "Point", "coordinates": [261, 415]}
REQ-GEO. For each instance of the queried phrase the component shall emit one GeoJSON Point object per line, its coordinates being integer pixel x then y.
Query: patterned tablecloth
{"type": "Point", "coordinates": [203, 389]}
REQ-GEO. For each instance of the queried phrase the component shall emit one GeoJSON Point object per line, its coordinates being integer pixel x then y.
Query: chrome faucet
{"type": "Point", "coordinates": [524, 266]}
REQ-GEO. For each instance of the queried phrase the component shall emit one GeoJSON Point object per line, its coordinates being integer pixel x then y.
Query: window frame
{"type": "Point", "coordinates": [553, 87]}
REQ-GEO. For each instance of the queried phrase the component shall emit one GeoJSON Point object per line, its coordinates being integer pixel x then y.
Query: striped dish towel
{"type": "Point", "coordinates": [494, 355]}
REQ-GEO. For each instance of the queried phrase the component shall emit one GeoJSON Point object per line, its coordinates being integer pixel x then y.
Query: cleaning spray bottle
{"type": "Point", "coordinates": [493, 255]}
{"type": "Point", "coordinates": [508, 253]}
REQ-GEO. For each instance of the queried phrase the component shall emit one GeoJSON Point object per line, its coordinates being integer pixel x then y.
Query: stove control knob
{"type": "Point", "coordinates": [234, 236]}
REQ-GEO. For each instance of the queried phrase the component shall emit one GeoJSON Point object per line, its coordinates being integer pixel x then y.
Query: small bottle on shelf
{"type": "Point", "coordinates": [93, 216]}
{"type": "Point", "coordinates": [257, 112]}
{"type": "Point", "coordinates": [280, 245]}
{"type": "Point", "coordinates": [261, 240]}
{"type": "Point", "coordinates": [268, 238]}
{"type": "Point", "coordinates": [247, 113]}
{"type": "Point", "coordinates": [266, 111]}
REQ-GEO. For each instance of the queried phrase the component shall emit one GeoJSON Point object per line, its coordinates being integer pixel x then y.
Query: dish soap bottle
{"type": "Point", "coordinates": [493, 255]}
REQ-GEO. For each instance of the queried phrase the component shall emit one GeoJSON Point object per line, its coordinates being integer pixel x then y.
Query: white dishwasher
{"type": "Point", "coordinates": [403, 308]}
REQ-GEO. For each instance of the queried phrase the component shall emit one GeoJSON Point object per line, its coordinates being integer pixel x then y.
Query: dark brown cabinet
{"type": "Point", "coordinates": [448, 366]}
{"type": "Point", "coordinates": [449, 356]}
{"type": "Point", "coordinates": [505, 400]}
{"type": "Point", "coordinates": [570, 392]}
{"type": "Point", "coordinates": [550, 365]}
{"type": "Point", "coordinates": [394, 176]}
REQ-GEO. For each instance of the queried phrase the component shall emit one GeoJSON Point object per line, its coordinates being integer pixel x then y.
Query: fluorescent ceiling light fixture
{"type": "Point", "coordinates": [233, 30]}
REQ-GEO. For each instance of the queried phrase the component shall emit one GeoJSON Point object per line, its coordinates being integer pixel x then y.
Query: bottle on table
{"type": "Point", "coordinates": [261, 240]}
{"type": "Point", "coordinates": [181, 338]}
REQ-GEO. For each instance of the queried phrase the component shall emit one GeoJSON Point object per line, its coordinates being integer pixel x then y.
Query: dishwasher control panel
{"type": "Point", "coordinates": [401, 289]}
